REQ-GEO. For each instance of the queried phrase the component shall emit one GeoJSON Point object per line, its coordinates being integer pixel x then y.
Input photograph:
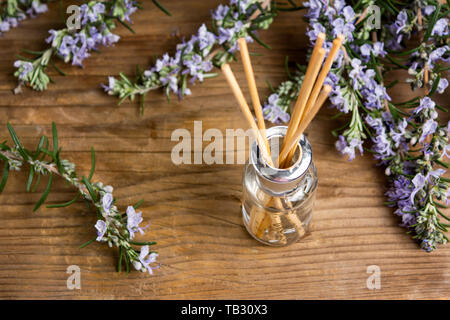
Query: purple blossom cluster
{"type": "Point", "coordinates": [408, 144]}
{"type": "Point", "coordinates": [10, 20]}
{"type": "Point", "coordinates": [94, 32]}
{"type": "Point", "coordinates": [96, 22]}
{"type": "Point", "coordinates": [107, 232]}
{"type": "Point", "coordinates": [194, 59]}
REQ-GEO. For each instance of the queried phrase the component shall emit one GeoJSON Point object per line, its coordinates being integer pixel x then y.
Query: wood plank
{"type": "Point", "coordinates": [194, 210]}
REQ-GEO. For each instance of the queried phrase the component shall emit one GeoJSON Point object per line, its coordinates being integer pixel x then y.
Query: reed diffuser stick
{"type": "Point", "coordinates": [246, 111]}
{"type": "Point", "coordinates": [275, 220]}
{"type": "Point", "coordinates": [320, 80]}
{"type": "Point", "coordinates": [308, 82]}
{"type": "Point", "coordinates": [257, 215]}
{"type": "Point", "coordinates": [292, 143]}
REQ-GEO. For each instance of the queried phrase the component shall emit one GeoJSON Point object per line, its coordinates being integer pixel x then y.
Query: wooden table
{"type": "Point", "coordinates": [205, 252]}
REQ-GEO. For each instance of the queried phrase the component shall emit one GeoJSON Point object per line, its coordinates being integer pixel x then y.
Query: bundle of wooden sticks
{"type": "Point", "coordinates": [312, 96]}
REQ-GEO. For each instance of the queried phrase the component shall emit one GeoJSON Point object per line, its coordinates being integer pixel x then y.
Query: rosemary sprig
{"type": "Point", "coordinates": [113, 227]}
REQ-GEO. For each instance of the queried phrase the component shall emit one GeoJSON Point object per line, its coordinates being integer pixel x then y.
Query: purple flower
{"type": "Point", "coordinates": [110, 87]}
{"type": "Point", "coordinates": [427, 245]}
{"type": "Point", "coordinates": [134, 219]}
{"type": "Point", "coordinates": [418, 182]}
{"type": "Point", "coordinates": [348, 13]}
{"type": "Point", "coordinates": [349, 149]}
{"type": "Point", "coordinates": [437, 55]}
{"type": "Point", "coordinates": [378, 49]}
{"type": "Point", "coordinates": [314, 32]}
{"type": "Point", "coordinates": [443, 84]}
{"type": "Point", "coordinates": [400, 23]}
{"type": "Point", "coordinates": [399, 136]}
{"type": "Point", "coordinates": [343, 28]}
{"type": "Point", "coordinates": [220, 12]}
{"type": "Point", "coordinates": [205, 38]}
{"type": "Point", "coordinates": [145, 259]}
{"type": "Point", "coordinates": [27, 67]}
{"type": "Point", "coordinates": [273, 112]}
{"type": "Point", "coordinates": [107, 202]}
{"type": "Point", "coordinates": [429, 10]}
{"type": "Point", "coordinates": [315, 7]}
{"type": "Point", "coordinates": [425, 103]}
{"type": "Point", "coordinates": [440, 28]}
{"type": "Point", "coordinates": [101, 227]}
{"type": "Point", "coordinates": [429, 127]}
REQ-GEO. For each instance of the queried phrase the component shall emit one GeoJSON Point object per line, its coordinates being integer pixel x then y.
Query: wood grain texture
{"type": "Point", "coordinates": [194, 210]}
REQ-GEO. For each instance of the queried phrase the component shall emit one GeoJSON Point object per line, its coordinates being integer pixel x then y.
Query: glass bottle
{"type": "Point", "coordinates": [277, 204]}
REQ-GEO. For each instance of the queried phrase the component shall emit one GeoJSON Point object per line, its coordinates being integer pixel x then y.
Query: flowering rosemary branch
{"type": "Point", "coordinates": [195, 58]}
{"type": "Point", "coordinates": [14, 11]}
{"type": "Point", "coordinates": [97, 20]}
{"type": "Point", "coordinates": [113, 227]}
{"type": "Point", "coordinates": [416, 186]}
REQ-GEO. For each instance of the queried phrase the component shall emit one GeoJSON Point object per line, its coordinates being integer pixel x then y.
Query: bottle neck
{"type": "Point", "coordinates": [278, 181]}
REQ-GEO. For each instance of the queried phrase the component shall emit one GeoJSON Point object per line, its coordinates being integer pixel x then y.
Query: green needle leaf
{"type": "Point", "coordinates": [159, 5]}
{"type": "Point", "coordinates": [87, 243]}
{"type": "Point", "coordinates": [45, 194]}
{"type": "Point", "coordinates": [4, 177]}
{"type": "Point", "coordinates": [17, 142]}
{"type": "Point", "coordinates": [30, 179]}
{"type": "Point", "coordinates": [91, 173]}
{"type": "Point", "coordinates": [63, 205]}
{"type": "Point", "coordinates": [90, 189]}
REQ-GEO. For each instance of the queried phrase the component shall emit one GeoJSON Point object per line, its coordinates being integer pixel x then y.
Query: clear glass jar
{"type": "Point", "coordinates": [277, 204]}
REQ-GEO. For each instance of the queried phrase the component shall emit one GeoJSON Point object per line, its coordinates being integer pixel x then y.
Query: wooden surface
{"type": "Point", "coordinates": [194, 210]}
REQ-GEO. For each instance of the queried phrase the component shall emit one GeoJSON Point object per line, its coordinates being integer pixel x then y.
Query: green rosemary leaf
{"type": "Point", "coordinates": [127, 263]}
{"type": "Point", "coordinates": [286, 67]}
{"type": "Point", "coordinates": [119, 266]}
{"type": "Point", "coordinates": [441, 214]}
{"type": "Point", "coordinates": [36, 184]}
{"type": "Point", "coordinates": [138, 204]}
{"type": "Point", "coordinates": [87, 243]}
{"type": "Point", "coordinates": [38, 53]}
{"type": "Point", "coordinates": [445, 165]}
{"type": "Point", "coordinates": [441, 108]}
{"type": "Point", "coordinates": [440, 205]}
{"type": "Point", "coordinates": [39, 147]}
{"type": "Point", "coordinates": [160, 6]}
{"type": "Point", "coordinates": [435, 85]}
{"type": "Point", "coordinates": [90, 189]}
{"type": "Point", "coordinates": [390, 85]}
{"type": "Point", "coordinates": [30, 179]}
{"type": "Point", "coordinates": [126, 25]}
{"type": "Point", "coordinates": [4, 176]}
{"type": "Point", "coordinates": [16, 141]}
{"type": "Point", "coordinates": [45, 194]}
{"type": "Point", "coordinates": [57, 68]}
{"type": "Point", "coordinates": [63, 205]}
{"type": "Point", "coordinates": [259, 40]}
{"type": "Point", "coordinates": [146, 243]}
{"type": "Point", "coordinates": [398, 64]}
{"type": "Point", "coordinates": [23, 58]}
{"type": "Point", "coordinates": [432, 22]}
{"type": "Point", "coordinates": [91, 173]}
{"type": "Point", "coordinates": [55, 139]}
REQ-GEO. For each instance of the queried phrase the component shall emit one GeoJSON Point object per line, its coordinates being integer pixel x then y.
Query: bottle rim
{"type": "Point", "coordinates": [276, 175]}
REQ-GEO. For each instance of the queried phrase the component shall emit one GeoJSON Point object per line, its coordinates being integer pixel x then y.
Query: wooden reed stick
{"type": "Point", "coordinates": [246, 111]}
{"type": "Point", "coordinates": [246, 61]}
{"type": "Point", "coordinates": [321, 79]}
{"type": "Point", "coordinates": [292, 143]}
{"type": "Point", "coordinates": [276, 222]}
{"type": "Point", "coordinates": [310, 77]}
